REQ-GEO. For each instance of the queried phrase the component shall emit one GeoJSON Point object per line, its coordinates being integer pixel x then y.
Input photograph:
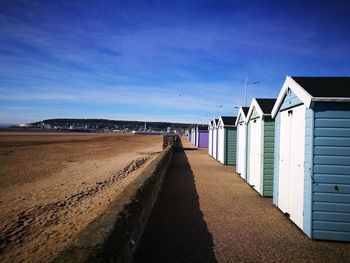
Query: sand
{"type": "Point", "coordinates": [54, 184]}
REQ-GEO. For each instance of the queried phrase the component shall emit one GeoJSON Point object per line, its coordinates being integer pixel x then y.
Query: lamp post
{"type": "Point", "coordinates": [245, 89]}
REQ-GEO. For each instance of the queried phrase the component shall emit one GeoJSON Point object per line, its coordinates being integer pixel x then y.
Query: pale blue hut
{"type": "Point", "coordinates": [312, 155]}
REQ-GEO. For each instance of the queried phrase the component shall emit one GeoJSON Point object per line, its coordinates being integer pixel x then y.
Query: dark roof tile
{"type": "Point", "coordinates": [228, 120]}
{"type": "Point", "coordinates": [329, 87]}
{"type": "Point", "coordinates": [245, 110]}
{"type": "Point", "coordinates": [202, 127]}
{"type": "Point", "coordinates": [266, 105]}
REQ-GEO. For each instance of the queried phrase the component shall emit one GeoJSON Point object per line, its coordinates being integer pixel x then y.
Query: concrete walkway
{"type": "Point", "coordinates": [207, 213]}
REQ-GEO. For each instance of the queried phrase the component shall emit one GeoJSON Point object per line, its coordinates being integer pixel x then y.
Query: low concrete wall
{"type": "Point", "coordinates": [171, 139]}
{"type": "Point", "coordinates": [113, 236]}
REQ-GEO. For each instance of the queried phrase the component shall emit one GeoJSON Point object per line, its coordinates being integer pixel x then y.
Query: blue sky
{"type": "Point", "coordinates": [160, 60]}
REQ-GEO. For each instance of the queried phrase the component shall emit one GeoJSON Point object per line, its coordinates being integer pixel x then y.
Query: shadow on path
{"type": "Point", "coordinates": [176, 230]}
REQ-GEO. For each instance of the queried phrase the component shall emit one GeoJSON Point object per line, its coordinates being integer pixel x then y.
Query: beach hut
{"type": "Point", "coordinates": [215, 138]}
{"type": "Point", "coordinates": [193, 135]}
{"type": "Point", "coordinates": [260, 146]}
{"type": "Point", "coordinates": [312, 155]}
{"type": "Point", "coordinates": [227, 139]}
{"type": "Point", "coordinates": [241, 154]}
{"type": "Point", "coordinates": [202, 136]}
{"type": "Point", "coordinates": [210, 138]}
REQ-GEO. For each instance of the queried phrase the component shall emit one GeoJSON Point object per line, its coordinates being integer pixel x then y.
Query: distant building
{"type": "Point", "coordinates": [23, 125]}
{"type": "Point", "coordinates": [78, 128]}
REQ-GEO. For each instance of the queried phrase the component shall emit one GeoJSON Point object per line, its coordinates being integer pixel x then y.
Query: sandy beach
{"type": "Point", "coordinates": [54, 184]}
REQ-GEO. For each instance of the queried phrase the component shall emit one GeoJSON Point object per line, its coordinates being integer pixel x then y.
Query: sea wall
{"type": "Point", "coordinates": [113, 236]}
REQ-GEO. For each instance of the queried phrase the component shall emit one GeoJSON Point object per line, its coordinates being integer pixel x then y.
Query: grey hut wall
{"type": "Point", "coordinates": [331, 167]}
{"type": "Point", "coordinates": [268, 158]}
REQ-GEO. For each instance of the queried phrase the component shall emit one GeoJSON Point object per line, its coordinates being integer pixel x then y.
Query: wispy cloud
{"type": "Point", "coordinates": [176, 57]}
{"type": "Point", "coordinates": [180, 96]}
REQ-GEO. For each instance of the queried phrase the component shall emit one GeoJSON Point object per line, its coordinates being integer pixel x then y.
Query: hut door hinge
{"type": "Point", "coordinates": [290, 112]}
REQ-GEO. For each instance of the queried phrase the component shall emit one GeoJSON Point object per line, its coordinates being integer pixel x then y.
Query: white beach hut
{"type": "Point", "coordinates": [260, 147]}
{"type": "Point", "coordinates": [194, 135]}
{"type": "Point", "coordinates": [210, 138]}
{"type": "Point", "coordinates": [227, 132]}
{"type": "Point", "coordinates": [241, 155]}
{"type": "Point", "coordinates": [215, 138]}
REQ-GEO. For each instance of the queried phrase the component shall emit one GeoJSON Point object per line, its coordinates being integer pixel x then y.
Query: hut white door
{"type": "Point", "coordinates": [193, 136]}
{"type": "Point", "coordinates": [215, 137]}
{"type": "Point", "coordinates": [291, 164]}
{"type": "Point", "coordinates": [221, 142]}
{"type": "Point", "coordinates": [284, 162]}
{"type": "Point", "coordinates": [238, 156]}
{"type": "Point", "coordinates": [297, 165]}
{"type": "Point", "coordinates": [210, 142]}
{"type": "Point", "coordinates": [255, 154]}
{"type": "Point", "coordinates": [241, 149]}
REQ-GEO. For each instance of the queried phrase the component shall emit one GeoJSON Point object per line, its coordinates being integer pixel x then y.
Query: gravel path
{"type": "Point", "coordinates": [207, 213]}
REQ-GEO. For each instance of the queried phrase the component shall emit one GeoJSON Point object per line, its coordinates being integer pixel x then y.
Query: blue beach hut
{"type": "Point", "coordinates": [312, 155]}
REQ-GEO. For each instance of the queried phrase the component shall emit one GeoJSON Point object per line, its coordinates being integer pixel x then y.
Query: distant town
{"type": "Point", "coordinates": [103, 125]}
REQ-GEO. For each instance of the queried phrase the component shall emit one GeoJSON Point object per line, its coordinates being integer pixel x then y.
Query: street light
{"type": "Point", "coordinates": [245, 89]}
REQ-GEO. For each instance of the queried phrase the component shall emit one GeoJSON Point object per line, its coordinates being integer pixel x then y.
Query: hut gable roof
{"type": "Point", "coordinates": [266, 105]}
{"type": "Point", "coordinates": [245, 110]}
{"type": "Point", "coordinates": [229, 121]}
{"type": "Point", "coordinates": [262, 106]}
{"type": "Point", "coordinates": [242, 114]}
{"type": "Point", "coordinates": [326, 87]}
{"type": "Point", "coordinates": [216, 122]}
{"type": "Point", "coordinates": [312, 89]}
